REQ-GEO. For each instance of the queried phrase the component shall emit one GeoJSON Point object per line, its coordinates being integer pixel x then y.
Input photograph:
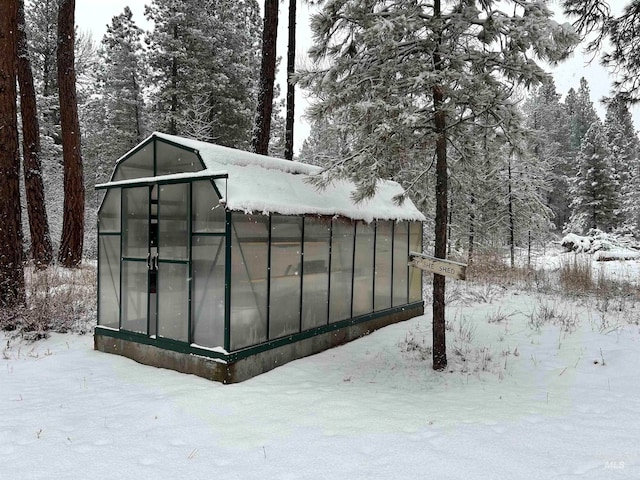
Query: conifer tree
{"type": "Point", "coordinates": [71, 243]}
{"type": "Point", "coordinates": [549, 143]}
{"type": "Point", "coordinates": [12, 293]}
{"type": "Point", "coordinates": [625, 158]}
{"type": "Point", "coordinates": [410, 74]}
{"type": "Point", "coordinates": [41, 247]}
{"type": "Point", "coordinates": [594, 188]}
{"type": "Point", "coordinates": [121, 80]}
{"type": "Point", "coordinates": [204, 59]}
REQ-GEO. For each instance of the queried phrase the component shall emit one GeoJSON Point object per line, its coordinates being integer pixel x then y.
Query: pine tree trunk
{"type": "Point", "coordinates": [267, 78]}
{"type": "Point", "coordinates": [70, 254]}
{"type": "Point", "coordinates": [439, 340]}
{"type": "Point", "coordinates": [511, 219]}
{"type": "Point", "coordinates": [291, 68]}
{"type": "Point", "coordinates": [472, 228]}
{"type": "Point", "coordinates": [12, 292]}
{"type": "Point", "coordinates": [173, 125]}
{"type": "Point", "coordinates": [41, 249]}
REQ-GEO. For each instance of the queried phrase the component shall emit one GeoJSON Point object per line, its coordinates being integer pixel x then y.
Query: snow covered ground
{"type": "Point", "coordinates": [538, 387]}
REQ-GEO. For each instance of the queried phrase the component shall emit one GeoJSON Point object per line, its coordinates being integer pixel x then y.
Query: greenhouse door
{"type": "Point", "coordinates": [155, 261]}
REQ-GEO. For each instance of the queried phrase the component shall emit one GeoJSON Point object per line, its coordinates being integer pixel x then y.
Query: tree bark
{"type": "Point", "coordinates": [70, 254]}
{"type": "Point", "coordinates": [439, 338]}
{"type": "Point", "coordinates": [291, 68]}
{"type": "Point", "coordinates": [12, 292]}
{"type": "Point", "coordinates": [267, 78]}
{"type": "Point", "coordinates": [512, 226]}
{"type": "Point", "coordinates": [41, 248]}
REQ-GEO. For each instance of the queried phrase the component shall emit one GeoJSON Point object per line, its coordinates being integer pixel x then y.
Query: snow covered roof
{"type": "Point", "coordinates": [260, 184]}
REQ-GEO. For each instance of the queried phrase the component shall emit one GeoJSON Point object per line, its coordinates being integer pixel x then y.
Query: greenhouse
{"type": "Point", "coordinates": [226, 264]}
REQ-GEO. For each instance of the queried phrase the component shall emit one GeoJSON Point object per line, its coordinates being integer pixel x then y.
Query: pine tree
{"type": "Point", "coordinates": [594, 188]}
{"type": "Point", "coordinates": [411, 73]}
{"type": "Point", "coordinates": [12, 293]}
{"type": "Point", "coordinates": [204, 57]}
{"type": "Point", "coordinates": [71, 243]}
{"type": "Point", "coordinates": [549, 143]}
{"type": "Point", "coordinates": [121, 79]}
{"type": "Point", "coordinates": [625, 159]}
{"type": "Point", "coordinates": [291, 70]}
{"type": "Point", "coordinates": [615, 37]}
{"type": "Point", "coordinates": [262, 130]}
{"type": "Point", "coordinates": [41, 247]}
{"type": "Point", "coordinates": [581, 113]}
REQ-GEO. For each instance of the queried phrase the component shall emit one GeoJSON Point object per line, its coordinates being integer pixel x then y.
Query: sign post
{"type": "Point", "coordinates": [439, 266]}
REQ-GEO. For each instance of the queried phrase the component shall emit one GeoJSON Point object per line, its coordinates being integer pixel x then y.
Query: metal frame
{"type": "Point", "coordinates": [188, 347]}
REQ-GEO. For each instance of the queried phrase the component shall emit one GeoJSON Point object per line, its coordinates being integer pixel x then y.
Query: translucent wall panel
{"type": "Point", "coordinates": [134, 296]}
{"type": "Point", "coordinates": [249, 255]}
{"type": "Point", "coordinates": [363, 269]}
{"type": "Point", "coordinates": [284, 303]}
{"type": "Point", "coordinates": [384, 255]}
{"type": "Point", "coordinates": [172, 159]}
{"type": "Point", "coordinates": [415, 274]}
{"type": "Point", "coordinates": [315, 282]}
{"type": "Point", "coordinates": [208, 216]}
{"type": "Point", "coordinates": [173, 301]}
{"type": "Point", "coordinates": [341, 270]}
{"type": "Point", "coordinates": [173, 221]}
{"type": "Point", "coordinates": [135, 224]}
{"type": "Point", "coordinates": [207, 284]}
{"type": "Point", "coordinates": [138, 165]}
{"type": "Point", "coordinates": [109, 214]}
{"type": "Point", "coordinates": [109, 281]}
{"type": "Point", "coordinates": [400, 263]}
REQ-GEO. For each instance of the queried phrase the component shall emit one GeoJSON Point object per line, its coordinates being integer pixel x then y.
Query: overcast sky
{"type": "Point", "coordinates": [94, 15]}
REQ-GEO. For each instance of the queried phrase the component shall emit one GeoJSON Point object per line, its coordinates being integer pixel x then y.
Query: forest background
{"type": "Point", "coordinates": [574, 168]}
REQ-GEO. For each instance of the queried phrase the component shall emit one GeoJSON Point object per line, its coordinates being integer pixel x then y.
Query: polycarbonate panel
{"type": "Point", "coordinates": [171, 159]}
{"type": "Point", "coordinates": [173, 221]}
{"type": "Point", "coordinates": [249, 256]}
{"type": "Point", "coordinates": [401, 263]}
{"type": "Point", "coordinates": [109, 281]}
{"type": "Point", "coordinates": [384, 255]}
{"type": "Point", "coordinates": [207, 290]}
{"type": "Point", "coordinates": [208, 216]}
{"type": "Point", "coordinates": [315, 280]}
{"type": "Point", "coordinates": [415, 274]}
{"type": "Point", "coordinates": [363, 269]}
{"type": "Point", "coordinates": [109, 214]}
{"type": "Point", "coordinates": [135, 224]}
{"type": "Point", "coordinates": [284, 302]}
{"type": "Point", "coordinates": [341, 270]}
{"type": "Point", "coordinates": [173, 301]}
{"type": "Point", "coordinates": [138, 165]}
{"type": "Point", "coordinates": [135, 296]}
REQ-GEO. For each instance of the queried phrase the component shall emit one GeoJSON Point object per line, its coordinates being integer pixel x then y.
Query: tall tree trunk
{"type": "Point", "coordinates": [512, 227]}
{"type": "Point", "coordinates": [11, 268]}
{"type": "Point", "coordinates": [173, 124]}
{"type": "Point", "coordinates": [41, 249]}
{"type": "Point", "coordinates": [291, 68]}
{"type": "Point", "coordinates": [472, 228]}
{"type": "Point", "coordinates": [439, 339]}
{"type": "Point", "coordinates": [70, 254]}
{"type": "Point", "coordinates": [262, 130]}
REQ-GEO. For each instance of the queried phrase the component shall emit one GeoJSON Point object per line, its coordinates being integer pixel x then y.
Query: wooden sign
{"type": "Point", "coordinates": [440, 266]}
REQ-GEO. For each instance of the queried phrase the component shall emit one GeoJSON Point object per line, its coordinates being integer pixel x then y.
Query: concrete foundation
{"type": "Point", "coordinates": [239, 366]}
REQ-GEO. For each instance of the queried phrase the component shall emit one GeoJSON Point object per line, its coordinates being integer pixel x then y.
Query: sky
{"type": "Point", "coordinates": [94, 15]}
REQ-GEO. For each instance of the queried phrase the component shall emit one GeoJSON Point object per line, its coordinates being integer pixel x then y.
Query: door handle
{"type": "Point", "coordinates": [155, 262]}
{"type": "Point", "coordinates": [149, 261]}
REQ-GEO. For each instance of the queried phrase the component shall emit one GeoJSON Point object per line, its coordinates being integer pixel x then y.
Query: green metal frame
{"type": "Point", "coordinates": [232, 356]}
{"type": "Point", "coordinates": [253, 349]}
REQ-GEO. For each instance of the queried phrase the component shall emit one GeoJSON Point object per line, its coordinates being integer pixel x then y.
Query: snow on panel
{"type": "Point", "coordinates": [261, 184]}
